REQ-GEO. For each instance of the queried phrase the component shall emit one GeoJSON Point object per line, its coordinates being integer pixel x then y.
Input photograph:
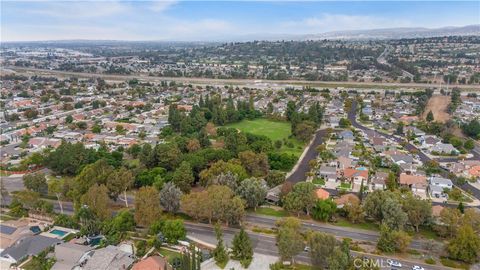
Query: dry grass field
{"type": "Point", "coordinates": [438, 104]}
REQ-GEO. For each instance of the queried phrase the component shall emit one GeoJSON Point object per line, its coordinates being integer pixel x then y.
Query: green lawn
{"type": "Point", "coordinates": [363, 225]}
{"type": "Point", "coordinates": [170, 255]}
{"type": "Point", "coordinates": [271, 212]}
{"type": "Point", "coordinates": [318, 181]}
{"type": "Point", "coordinates": [275, 130]}
{"type": "Point", "coordinates": [345, 186]}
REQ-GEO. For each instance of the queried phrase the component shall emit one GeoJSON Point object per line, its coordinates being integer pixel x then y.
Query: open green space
{"type": "Point", "coordinates": [275, 130]}
{"type": "Point", "coordinates": [271, 212]}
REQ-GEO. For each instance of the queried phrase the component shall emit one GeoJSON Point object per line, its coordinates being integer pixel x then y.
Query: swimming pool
{"type": "Point", "coordinates": [361, 168]}
{"type": "Point", "coordinates": [58, 232]}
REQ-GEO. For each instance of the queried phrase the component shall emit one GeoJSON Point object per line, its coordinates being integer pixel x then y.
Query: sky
{"type": "Point", "coordinates": [218, 20]}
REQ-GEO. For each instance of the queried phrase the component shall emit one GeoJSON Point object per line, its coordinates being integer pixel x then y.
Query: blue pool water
{"type": "Point", "coordinates": [361, 168]}
{"type": "Point", "coordinates": [58, 232]}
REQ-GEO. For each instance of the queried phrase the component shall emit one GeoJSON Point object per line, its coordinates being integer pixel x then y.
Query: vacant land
{"type": "Point", "coordinates": [275, 130]}
{"type": "Point", "coordinates": [438, 104]}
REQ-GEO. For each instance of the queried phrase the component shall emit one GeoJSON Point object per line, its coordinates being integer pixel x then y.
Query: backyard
{"type": "Point", "coordinates": [275, 130]}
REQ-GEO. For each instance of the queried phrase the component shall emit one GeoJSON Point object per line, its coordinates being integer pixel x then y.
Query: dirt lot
{"type": "Point", "coordinates": [438, 105]}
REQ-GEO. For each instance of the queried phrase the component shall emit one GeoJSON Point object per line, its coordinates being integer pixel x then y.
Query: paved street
{"type": "Point", "coordinates": [265, 244]}
{"type": "Point", "coordinates": [410, 147]}
{"type": "Point", "coordinates": [302, 168]}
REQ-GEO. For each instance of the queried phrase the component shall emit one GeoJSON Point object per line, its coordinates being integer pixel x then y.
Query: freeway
{"type": "Point", "coordinates": [233, 81]}
{"type": "Point", "coordinates": [266, 244]}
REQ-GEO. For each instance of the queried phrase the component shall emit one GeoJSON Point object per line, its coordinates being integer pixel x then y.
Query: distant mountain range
{"type": "Point", "coordinates": [371, 34]}
{"type": "Point", "coordinates": [396, 33]}
{"type": "Point", "coordinates": [386, 33]}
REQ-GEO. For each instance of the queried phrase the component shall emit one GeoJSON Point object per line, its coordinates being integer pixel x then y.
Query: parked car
{"type": "Point", "coordinates": [391, 262]}
{"type": "Point", "coordinates": [416, 267]}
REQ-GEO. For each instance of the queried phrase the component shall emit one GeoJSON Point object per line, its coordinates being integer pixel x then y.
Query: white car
{"type": "Point", "coordinates": [416, 267]}
{"type": "Point", "coordinates": [306, 249]}
{"type": "Point", "coordinates": [391, 262]}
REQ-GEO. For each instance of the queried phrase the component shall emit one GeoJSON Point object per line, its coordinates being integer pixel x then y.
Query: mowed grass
{"type": "Point", "coordinates": [275, 130]}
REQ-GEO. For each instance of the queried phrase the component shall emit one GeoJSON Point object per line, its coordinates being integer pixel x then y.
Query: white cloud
{"type": "Point", "coordinates": [162, 5]}
{"type": "Point", "coordinates": [337, 22]}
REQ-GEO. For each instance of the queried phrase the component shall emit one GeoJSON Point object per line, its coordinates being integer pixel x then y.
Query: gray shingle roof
{"type": "Point", "coordinates": [31, 245]}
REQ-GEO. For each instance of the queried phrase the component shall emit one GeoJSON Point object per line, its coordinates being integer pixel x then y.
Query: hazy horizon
{"type": "Point", "coordinates": [197, 21]}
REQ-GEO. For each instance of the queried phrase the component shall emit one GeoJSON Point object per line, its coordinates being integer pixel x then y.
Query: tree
{"type": "Point", "coordinates": [255, 164]}
{"type": "Point", "coordinates": [183, 177]}
{"type": "Point", "coordinates": [119, 182]}
{"type": "Point", "coordinates": [220, 252]}
{"type": "Point", "coordinates": [465, 246]}
{"type": "Point", "coordinates": [220, 167]}
{"type": "Point", "coordinates": [306, 191]}
{"type": "Point", "coordinates": [324, 209]}
{"type": "Point", "coordinates": [242, 248]}
{"type": "Point", "coordinates": [96, 198]}
{"type": "Point", "coordinates": [430, 117]}
{"type": "Point", "coordinates": [96, 173]}
{"type": "Point", "coordinates": [275, 178]}
{"type": "Point", "coordinates": [193, 145]}
{"type": "Point", "coordinates": [292, 202]}
{"type": "Point", "coordinates": [289, 238]}
{"type": "Point", "coordinates": [36, 182]}
{"type": "Point", "coordinates": [450, 218]}
{"type": "Point", "coordinates": [217, 203]}
{"type": "Point", "coordinates": [174, 230]}
{"type": "Point", "coordinates": [393, 215]}
{"type": "Point", "coordinates": [170, 197]}
{"type": "Point", "coordinates": [344, 123]}
{"type": "Point", "coordinates": [147, 206]}
{"type": "Point", "coordinates": [353, 210]}
{"type": "Point", "coordinates": [304, 131]}
{"type": "Point", "coordinates": [386, 242]}
{"type": "Point", "coordinates": [402, 241]}
{"type": "Point", "coordinates": [321, 247]}
{"type": "Point", "coordinates": [225, 179]}
{"type": "Point", "coordinates": [55, 186]}
{"type": "Point", "coordinates": [253, 191]}
{"type": "Point", "coordinates": [472, 129]}
{"type": "Point", "coordinates": [418, 211]}
{"type": "Point", "coordinates": [472, 218]}
{"type": "Point", "coordinates": [338, 260]}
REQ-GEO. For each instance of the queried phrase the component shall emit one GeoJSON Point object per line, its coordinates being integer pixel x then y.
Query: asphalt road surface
{"type": "Point", "coordinates": [266, 244]}
{"type": "Point", "coordinates": [303, 168]}
{"type": "Point", "coordinates": [232, 81]}
{"type": "Point", "coordinates": [410, 147]}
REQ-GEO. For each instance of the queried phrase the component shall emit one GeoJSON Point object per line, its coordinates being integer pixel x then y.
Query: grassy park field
{"type": "Point", "coordinates": [275, 130]}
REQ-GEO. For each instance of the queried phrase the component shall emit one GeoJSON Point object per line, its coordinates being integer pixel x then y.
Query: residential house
{"type": "Point", "coordinates": [322, 194]}
{"type": "Point", "coordinates": [438, 185]}
{"type": "Point", "coordinates": [356, 176]}
{"type": "Point", "coordinates": [328, 173]}
{"type": "Point", "coordinates": [151, 263]}
{"type": "Point", "coordinates": [70, 255]}
{"type": "Point", "coordinates": [443, 148]}
{"type": "Point", "coordinates": [378, 180]}
{"type": "Point", "coordinates": [27, 246]}
{"type": "Point", "coordinates": [109, 258]}
{"type": "Point", "coordinates": [416, 183]}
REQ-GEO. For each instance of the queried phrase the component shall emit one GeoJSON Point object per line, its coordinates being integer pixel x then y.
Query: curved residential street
{"type": "Point", "coordinates": [302, 167]}
{"type": "Point", "coordinates": [410, 147]}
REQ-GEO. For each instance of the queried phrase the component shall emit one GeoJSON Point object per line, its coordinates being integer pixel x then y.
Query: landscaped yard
{"type": "Point", "coordinates": [318, 181]}
{"type": "Point", "coordinates": [345, 186]}
{"type": "Point", "coordinates": [170, 255]}
{"type": "Point", "coordinates": [275, 130]}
